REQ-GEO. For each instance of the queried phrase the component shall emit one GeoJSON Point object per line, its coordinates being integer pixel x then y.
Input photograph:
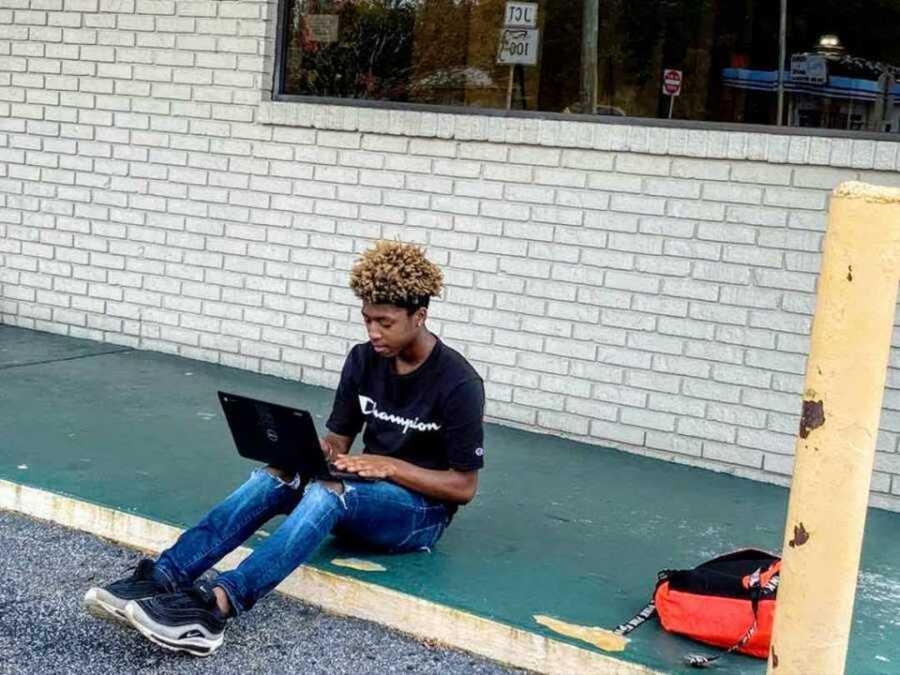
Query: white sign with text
{"type": "Point", "coordinates": [521, 14]}
{"type": "Point", "coordinates": [809, 68]}
{"type": "Point", "coordinates": [518, 46]}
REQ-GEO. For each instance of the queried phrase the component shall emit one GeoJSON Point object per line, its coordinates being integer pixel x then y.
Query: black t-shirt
{"type": "Point", "coordinates": [431, 417]}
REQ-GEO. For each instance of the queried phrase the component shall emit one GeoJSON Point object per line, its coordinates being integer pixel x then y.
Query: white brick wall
{"type": "Point", "coordinates": [648, 288]}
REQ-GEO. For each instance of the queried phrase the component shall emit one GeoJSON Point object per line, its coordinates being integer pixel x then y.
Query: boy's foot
{"type": "Point", "coordinates": [109, 601]}
{"type": "Point", "coordinates": [188, 621]}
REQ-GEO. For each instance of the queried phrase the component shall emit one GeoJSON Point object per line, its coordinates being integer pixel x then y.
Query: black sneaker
{"type": "Point", "coordinates": [109, 601]}
{"type": "Point", "coordinates": [187, 621]}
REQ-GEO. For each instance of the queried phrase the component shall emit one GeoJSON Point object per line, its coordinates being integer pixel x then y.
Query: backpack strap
{"type": "Point", "coordinates": [767, 580]}
{"type": "Point", "coordinates": [700, 661]}
{"type": "Point", "coordinates": [759, 583]}
{"type": "Point", "coordinates": [644, 615]}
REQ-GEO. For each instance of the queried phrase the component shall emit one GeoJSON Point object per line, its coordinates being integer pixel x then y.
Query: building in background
{"type": "Point", "coordinates": [827, 89]}
{"type": "Point", "coordinates": [198, 176]}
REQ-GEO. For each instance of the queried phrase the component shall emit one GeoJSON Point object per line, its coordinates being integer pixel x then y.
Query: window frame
{"type": "Point", "coordinates": [278, 96]}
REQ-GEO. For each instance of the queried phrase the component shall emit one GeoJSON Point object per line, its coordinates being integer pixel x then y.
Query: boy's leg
{"type": "Point", "coordinates": [380, 514]}
{"type": "Point", "coordinates": [386, 516]}
{"type": "Point", "coordinates": [224, 528]}
{"type": "Point", "coordinates": [232, 521]}
{"type": "Point", "coordinates": [193, 621]}
{"type": "Point", "coordinates": [312, 520]}
{"type": "Point", "coordinates": [377, 513]}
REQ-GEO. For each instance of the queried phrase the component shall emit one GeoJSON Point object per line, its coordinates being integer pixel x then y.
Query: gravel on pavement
{"type": "Point", "coordinates": [45, 570]}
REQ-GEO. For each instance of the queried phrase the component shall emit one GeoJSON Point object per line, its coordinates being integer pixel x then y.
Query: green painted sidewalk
{"type": "Point", "coordinates": [559, 528]}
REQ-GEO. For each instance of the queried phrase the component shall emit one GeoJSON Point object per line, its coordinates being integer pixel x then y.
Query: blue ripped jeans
{"type": "Point", "coordinates": [378, 514]}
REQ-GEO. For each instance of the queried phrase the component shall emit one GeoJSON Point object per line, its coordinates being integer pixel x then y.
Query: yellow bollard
{"type": "Point", "coordinates": [835, 450]}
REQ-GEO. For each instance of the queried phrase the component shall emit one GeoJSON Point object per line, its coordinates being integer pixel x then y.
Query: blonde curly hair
{"type": "Point", "coordinates": [395, 273]}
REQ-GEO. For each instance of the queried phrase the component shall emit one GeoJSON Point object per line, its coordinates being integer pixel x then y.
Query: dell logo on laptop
{"type": "Point", "coordinates": [271, 435]}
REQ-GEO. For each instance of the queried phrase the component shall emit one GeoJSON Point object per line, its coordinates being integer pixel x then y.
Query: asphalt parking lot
{"type": "Point", "coordinates": [45, 570]}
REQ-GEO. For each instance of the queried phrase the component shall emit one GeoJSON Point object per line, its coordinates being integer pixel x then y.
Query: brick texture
{"type": "Point", "coordinates": [647, 288]}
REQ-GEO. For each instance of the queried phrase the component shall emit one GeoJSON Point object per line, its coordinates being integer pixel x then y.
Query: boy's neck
{"type": "Point", "coordinates": [415, 353]}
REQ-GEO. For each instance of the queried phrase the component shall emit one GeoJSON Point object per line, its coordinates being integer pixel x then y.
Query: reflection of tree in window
{"type": "Point", "coordinates": [371, 57]}
{"type": "Point", "coordinates": [440, 73]}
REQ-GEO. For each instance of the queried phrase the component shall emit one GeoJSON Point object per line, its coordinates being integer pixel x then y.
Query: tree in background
{"type": "Point", "coordinates": [372, 57]}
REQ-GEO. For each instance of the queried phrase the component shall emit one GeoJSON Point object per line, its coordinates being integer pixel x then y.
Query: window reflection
{"type": "Point", "coordinates": [607, 57]}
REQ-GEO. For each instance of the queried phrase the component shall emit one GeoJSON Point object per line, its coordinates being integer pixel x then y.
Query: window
{"type": "Point", "coordinates": [702, 60]}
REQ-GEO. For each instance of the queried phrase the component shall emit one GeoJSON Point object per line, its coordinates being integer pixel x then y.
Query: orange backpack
{"type": "Point", "coordinates": [728, 602]}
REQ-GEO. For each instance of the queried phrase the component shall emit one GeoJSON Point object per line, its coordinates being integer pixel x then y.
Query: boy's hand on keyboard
{"type": "Point", "coordinates": [367, 466]}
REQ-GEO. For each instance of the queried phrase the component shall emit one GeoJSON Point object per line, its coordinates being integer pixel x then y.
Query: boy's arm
{"type": "Point", "coordinates": [346, 419]}
{"type": "Point", "coordinates": [447, 485]}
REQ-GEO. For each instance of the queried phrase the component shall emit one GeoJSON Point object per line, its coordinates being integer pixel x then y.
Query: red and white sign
{"type": "Point", "coordinates": [672, 82]}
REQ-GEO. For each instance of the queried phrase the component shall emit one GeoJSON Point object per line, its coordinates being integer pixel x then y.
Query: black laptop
{"type": "Point", "coordinates": [278, 435]}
